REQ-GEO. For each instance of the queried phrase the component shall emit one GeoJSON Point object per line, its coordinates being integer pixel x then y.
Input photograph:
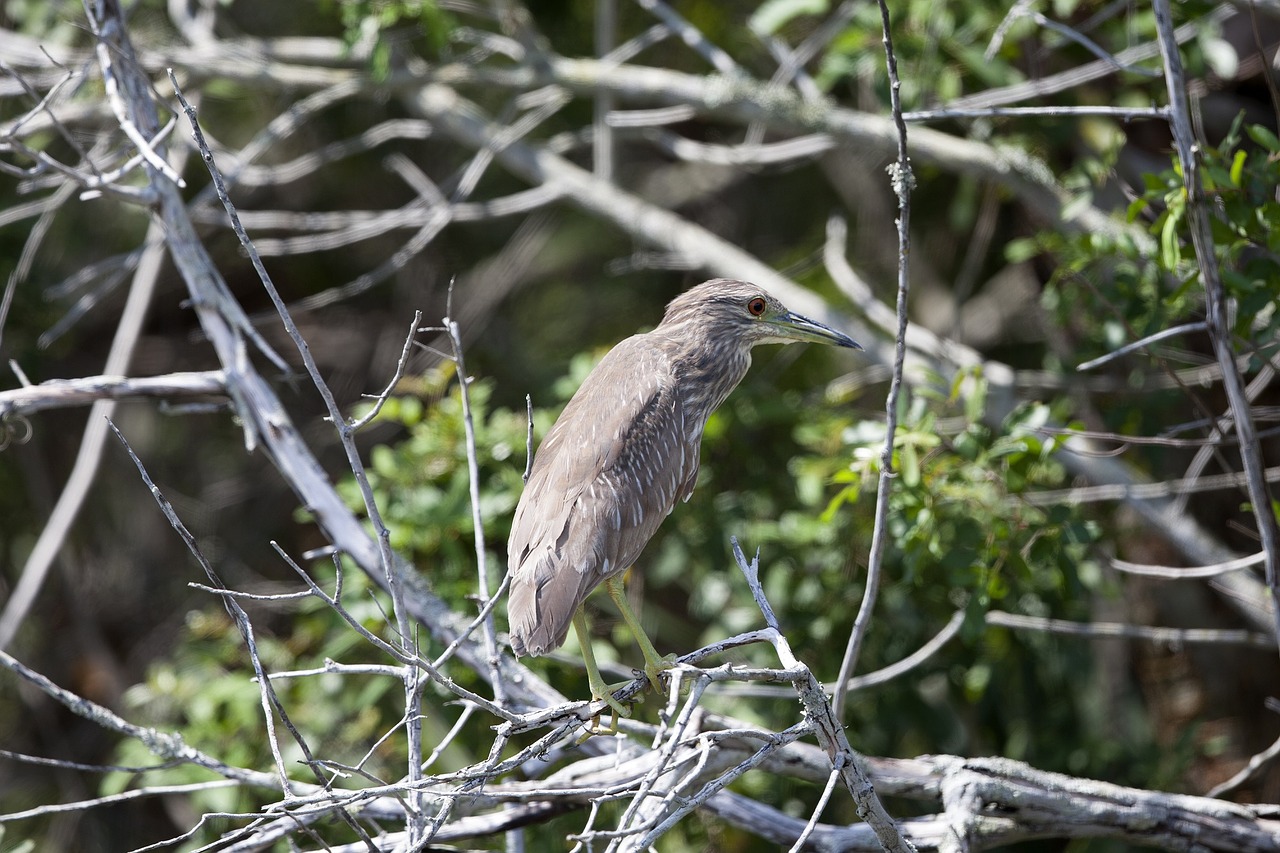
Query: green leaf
{"type": "Point", "coordinates": [1170, 246]}
{"type": "Point", "coordinates": [773, 15]}
{"type": "Point", "coordinates": [910, 462]}
{"type": "Point", "coordinates": [1135, 209]}
{"type": "Point", "coordinates": [976, 679]}
{"type": "Point", "coordinates": [975, 404]}
{"type": "Point", "coordinates": [1237, 168]}
{"type": "Point", "coordinates": [1021, 249]}
{"type": "Point", "coordinates": [1076, 206]}
{"type": "Point", "coordinates": [1264, 137]}
{"type": "Point", "coordinates": [1221, 57]}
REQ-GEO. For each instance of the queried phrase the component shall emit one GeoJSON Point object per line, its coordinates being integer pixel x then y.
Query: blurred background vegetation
{"type": "Point", "coordinates": [789, 463]}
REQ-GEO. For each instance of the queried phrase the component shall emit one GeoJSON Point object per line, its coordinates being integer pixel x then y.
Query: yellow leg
{"type": "Point", "coordinates": [599, 690]}
{"type": "Point", "coordinates": [654, 664]}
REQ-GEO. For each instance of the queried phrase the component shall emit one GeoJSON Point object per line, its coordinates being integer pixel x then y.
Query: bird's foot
{"type": "Point", "coordinates": [619, 710]}
{"type": "Point", "coordinates": [601, 692]}
{"type": "Point", "coordinates": [654, 669]}
{"type": "Point", "coordinates": [594, 727]}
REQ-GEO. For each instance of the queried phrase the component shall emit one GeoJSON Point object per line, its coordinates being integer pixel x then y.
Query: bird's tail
{"type": "Point", "coordinates": [541, 603]}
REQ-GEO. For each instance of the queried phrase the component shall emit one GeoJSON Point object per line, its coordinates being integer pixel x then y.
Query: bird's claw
{"type": "Point", "coordinates": [593, 727]}
{"type": "Point", "coordinates": [655, 669]}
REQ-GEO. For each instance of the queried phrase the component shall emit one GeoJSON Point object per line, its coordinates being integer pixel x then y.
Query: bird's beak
{"type": "Point", "coordinates": [793, 327]}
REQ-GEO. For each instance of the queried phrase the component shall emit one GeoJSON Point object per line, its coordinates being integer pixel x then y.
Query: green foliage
{"type": "Point", "coordinates": [384, 23]}
{"type": "Point", "coordinates": [48, 21]}
{"type": "Point", "coordinates": [941, 49]}
{"type": "Point", "coordinates": [958, 510]}
{"type": "Point", "coordinates": [205, 691]}
{"type": "Point", "coordinates": [963, 534]}
{"type": "Point", "coordinates": [773, 15]}
{"type": "Point", "coordinates": [422, 484]}
{"type": "Point", "coordinates": [1147, 291]}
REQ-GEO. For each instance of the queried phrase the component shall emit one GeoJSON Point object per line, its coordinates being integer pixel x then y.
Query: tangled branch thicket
{"type": "Point", "coordinates": [479, 117]}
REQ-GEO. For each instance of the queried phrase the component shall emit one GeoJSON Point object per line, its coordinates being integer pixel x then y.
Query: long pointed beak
{"type": "Point", "coordinates": [794, 327]}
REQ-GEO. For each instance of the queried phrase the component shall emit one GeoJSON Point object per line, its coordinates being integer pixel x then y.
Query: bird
{"type": "Point", "coordinates": [621, 454]}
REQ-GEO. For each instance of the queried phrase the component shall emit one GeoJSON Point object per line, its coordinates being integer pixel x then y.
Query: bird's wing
{"type": "Point", "coordinates": [694, 450]}
{"type": "Point", "coordinates": [606, 475]}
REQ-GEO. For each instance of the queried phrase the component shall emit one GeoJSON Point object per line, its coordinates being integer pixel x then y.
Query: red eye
{"type": "Point", "coordinates": [756, 306]}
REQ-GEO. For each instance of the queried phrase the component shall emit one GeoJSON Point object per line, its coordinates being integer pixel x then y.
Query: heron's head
{"type": "Point", "coordinates": [738, 312]}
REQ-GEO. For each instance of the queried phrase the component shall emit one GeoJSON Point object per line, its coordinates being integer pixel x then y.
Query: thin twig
{"type": "Point", "coordinates": [477, 518]}
{"type": "Point", "coordinates": [397, 652]}
{"type": "Point", "coordinates": [1104, 630]}
{"type": "Point", "coordinates": [382, 398]}
{"type": "Point", "coordinates": [1044, 86]}
{"type": "Point", "coordinates": [164, 745]}
{"type": "Point", "coordinates": [820, 716]}
{"type": "Point", "coordinates": [115, 799]}
{"type": "Point", "coordinates": [1122, 113]}
{"type": "Point", "coordinates": [603, 148]}
{"type": "Point", "coordinates": [903, 181]}
{"type": "Point", "coordinates": [1251, 768]}
{"type": "Point", "coordinates": [1177, 573]}
{"type": "Point", "coordinates": [89, 456]}
{"type": "Point", "coordinates": [1184, 329]}
{"type": "Point", "coordinates": [817, 811]}
{"type": "Point", "coordinates": [41, 761]}
{"type": "Point", "coordinates": [1090, 45]}
{"type": "Point", "coordinates": [880, 676]}
{"type": "Point", "coordinates": [1147, 491]}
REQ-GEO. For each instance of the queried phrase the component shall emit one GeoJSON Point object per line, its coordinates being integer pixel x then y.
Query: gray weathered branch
{"type": "Point", "coordinates": [82, 391]}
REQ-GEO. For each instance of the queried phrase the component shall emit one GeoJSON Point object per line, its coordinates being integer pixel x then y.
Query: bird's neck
{"type": "Point", "coordinates": [707, 371]}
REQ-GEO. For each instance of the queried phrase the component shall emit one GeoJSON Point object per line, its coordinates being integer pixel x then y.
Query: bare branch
{"type": "Point", "coordinates": [1171, 636]}
{"type": "Point", "coordinates": [1174, 573]}
{"type": "Point", "coordinates": [164, 745]}
{"type": "Point", "coordinates": [903, 182]}
{"type": "Point", "coordinates": [477, 519]}
{"type": "Point", "coordinates": [1256, 763]}
{"type": "Point", "coordinates": [69, 393]}
{"type": "Point", "coordinates": [381, 399]}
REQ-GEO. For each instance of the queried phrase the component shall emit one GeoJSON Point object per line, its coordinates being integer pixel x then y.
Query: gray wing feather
{"type": "Point", "coordinates": [605, 477]}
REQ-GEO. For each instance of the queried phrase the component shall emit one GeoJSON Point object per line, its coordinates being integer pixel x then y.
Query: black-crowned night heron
{"type": "Point", "coordinates": [622, 452]}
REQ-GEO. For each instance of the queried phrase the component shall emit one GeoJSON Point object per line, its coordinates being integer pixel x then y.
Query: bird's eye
{"type": "Point", "coordinates": [756, 306]}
